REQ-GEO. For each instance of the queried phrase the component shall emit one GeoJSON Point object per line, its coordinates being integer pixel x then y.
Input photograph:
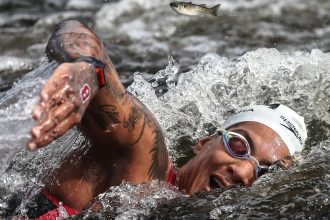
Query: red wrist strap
{"type": "Point", "coordinates": [99, 68]}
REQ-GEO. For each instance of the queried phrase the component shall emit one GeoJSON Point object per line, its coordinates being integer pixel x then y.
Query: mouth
{"type": "Point", "coordinates": [173, 5]}
{"type": "Point", "coordinates": [215, 183]}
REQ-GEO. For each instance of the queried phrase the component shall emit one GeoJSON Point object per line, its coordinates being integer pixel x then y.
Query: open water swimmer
{"type": "Point", "coordinates": [125, 109]}
{"type": "Point", "coordinates": [127, 141]}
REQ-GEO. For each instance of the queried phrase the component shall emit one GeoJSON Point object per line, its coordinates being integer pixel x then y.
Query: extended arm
{"type": "Point", "coordinates": [112, 117]}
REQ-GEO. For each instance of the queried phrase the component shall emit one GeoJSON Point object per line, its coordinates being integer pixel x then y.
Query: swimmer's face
{"type": "Point", "coordinates": [213, 167]}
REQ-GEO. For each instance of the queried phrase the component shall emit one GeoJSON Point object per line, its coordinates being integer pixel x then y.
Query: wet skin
{"type": "Point", "coordinates": [127, 141]}
{"type": "Point", "coordinates": [212, 159]}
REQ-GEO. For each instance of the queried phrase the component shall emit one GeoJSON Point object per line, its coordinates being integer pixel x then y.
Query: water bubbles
{"type": "Point", "coordinates": [130, 200]}
{"type": "Point", "coordinates": [154, 84]}
{"type": "Point", "coordinates": [222, 211]}
{"type": "Point", "coordinates": [196, 102]}
{"type": "Point", "coordinates": [62, 212]}
{"type": "Point", "coordinates": [168, 75]}
{"type": "Point", "coordinates": [15, 65]}
{"type": "Point", "coordinates": [320, 199]}
{"type": "Point", "coordinates": [209, 58]}
{"type": "Point", "coordinates": [217, 86]}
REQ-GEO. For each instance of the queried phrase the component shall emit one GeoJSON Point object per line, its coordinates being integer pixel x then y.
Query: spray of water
{"type": "Point", "coordinates": [205, 96]}
{"type": "Point", "coordinates": [196, 103]}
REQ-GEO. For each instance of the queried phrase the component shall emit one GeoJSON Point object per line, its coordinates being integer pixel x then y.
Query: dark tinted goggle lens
{"type": "Point", "coordinates": [238, 146]}
{"type": "Point", "coordinates": [262, 171]}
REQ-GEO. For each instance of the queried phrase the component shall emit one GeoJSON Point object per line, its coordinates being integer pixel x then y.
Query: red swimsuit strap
{"type": "Point", "coordinates": [53, 214]}
{"type": "Point", "coordinates": [49, 196]}
{"type": "Point", "coordinates": [171, 178]}
{"type": "Point", "coordinates": [56, 202]}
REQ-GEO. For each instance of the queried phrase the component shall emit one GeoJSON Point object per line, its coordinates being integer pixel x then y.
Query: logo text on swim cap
{"type": "Point", "coordinates": [245, 110]}
{"type": "Point", "coordinates": [273, 106]}
{"type": "Point", "coordinates": [291, 128]}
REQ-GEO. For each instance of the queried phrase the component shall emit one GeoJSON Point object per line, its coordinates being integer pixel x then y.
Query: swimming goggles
{"type": "Point", "coordinates": [238, 147]}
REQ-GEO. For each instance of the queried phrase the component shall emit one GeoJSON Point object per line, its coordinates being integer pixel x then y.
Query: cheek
{"type": "Point", "coordinates": [209, 152]}
{"type": "Point", "coordinates": [213, 154]}
{"type": "Point", "coordinates": [217, 157]}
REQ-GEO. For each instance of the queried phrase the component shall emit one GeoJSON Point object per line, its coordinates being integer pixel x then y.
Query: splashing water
{"type": "Point", "coordinates": [131, 201]}
{"type": "Point", "coordinates": [206, 95]}
{"type": "Point", "coordinates": [21, 170]}
{"type": "Point", "coordinates": [195, 104]}
{"type": "Point", "coordinates": [197, 101]}
{"type": "Point", "coordinates": [190, 97]}
{"type": "Point", "coordinates": [188, 104]}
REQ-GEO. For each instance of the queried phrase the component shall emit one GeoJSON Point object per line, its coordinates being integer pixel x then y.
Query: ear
{"type": "Point", "coordinates": [200, 144]}
{"type": "Point", "coordinates": [284, 163]}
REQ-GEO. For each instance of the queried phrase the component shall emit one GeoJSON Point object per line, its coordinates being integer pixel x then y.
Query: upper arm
{"type": "Point", "coordinates": [114, 118]}
{"type": "Point", "coordinates": [127, 125]}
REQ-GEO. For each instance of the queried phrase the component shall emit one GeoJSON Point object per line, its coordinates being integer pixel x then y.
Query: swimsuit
{"type": "Point", "coordinates": [171, 178]}
{"type": "Point", "coordinates": [45, 206]}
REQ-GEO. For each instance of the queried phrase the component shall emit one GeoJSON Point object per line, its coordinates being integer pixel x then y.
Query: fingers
{"type": "Point", "coordinates": [53, 119]}
{"type": "Point", "coordinates": [55, 132]}
{"type": "Point", "coordinates": [64, 97]}
{"type": "Point", "coordinates": [65, 94]}
{"type": "Point", "coordinates": [50, 122]}
{"type": "Point", "coordinates": [56, 82]}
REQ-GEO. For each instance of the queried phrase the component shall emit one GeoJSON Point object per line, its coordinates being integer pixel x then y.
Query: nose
{"type": "Point", "coordinates": [243, 173]}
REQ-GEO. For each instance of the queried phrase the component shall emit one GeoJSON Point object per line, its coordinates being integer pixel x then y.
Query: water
{"type": "Point", "coordinates": [192, 72]}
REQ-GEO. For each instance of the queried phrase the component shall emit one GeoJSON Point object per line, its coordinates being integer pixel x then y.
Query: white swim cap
{"type": "Point", "coordinates": [283, 120]}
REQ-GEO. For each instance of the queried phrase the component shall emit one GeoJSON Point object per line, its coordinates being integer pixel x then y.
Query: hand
{"type": "Point", "coordinates": [63, 101]}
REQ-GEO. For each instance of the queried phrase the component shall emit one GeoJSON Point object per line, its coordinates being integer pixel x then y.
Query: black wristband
{"type": "Point", "coordinates": [99, 68]}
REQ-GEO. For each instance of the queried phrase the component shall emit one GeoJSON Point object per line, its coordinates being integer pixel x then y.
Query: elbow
{"type": "Point", "coordinates": [54, 48]}
{"type": "Point", "coordinates": [68, 24]}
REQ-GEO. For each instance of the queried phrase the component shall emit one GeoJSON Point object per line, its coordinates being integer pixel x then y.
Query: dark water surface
{"type": "Point", "coordinates": [255, 52]}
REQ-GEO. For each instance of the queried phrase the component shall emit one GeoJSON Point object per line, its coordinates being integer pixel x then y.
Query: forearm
{"type": "Point", "coordinates": [114, 117]}
{"type": "Point", "coordinates": [112, 110]}
{"type": "Point", "coordinates": [72, 40]}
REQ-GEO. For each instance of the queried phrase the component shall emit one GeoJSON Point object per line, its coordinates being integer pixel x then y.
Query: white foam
{"type": "Point", "coordinates": [217, 86]}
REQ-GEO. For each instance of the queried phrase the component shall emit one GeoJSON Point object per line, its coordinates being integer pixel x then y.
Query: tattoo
{"type": "Point", "coordinates": [113, 92]}
{"type": "Point", "coordinates": [110, 111]}
{"type": "Point", "coordinates": [127, 98]}
{"type": "Point", "coordinates": [133, 119]}
{"type": "Point", "coordinates": [159, 165]}
{"type": "Point", "coordinates": [159, 154]}
{"type": "Point", "coordinates": [65, 47]}
{"type": "Point", "coordinates": [99, 120]}
{"type": "Point", "coordinates": [109, 66]}
{"type": "Point", "coordinates": [141, 133]}
{"type": "Point", "coordinates": [85, 40]}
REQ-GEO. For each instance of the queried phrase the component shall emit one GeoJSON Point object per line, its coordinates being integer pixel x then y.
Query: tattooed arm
{"type": "Point", "coordinates": [116, 121]}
